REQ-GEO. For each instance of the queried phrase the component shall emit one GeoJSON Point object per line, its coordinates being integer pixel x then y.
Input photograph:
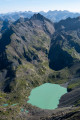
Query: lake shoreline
{"type": "Point", "coordinates": [46, 96]}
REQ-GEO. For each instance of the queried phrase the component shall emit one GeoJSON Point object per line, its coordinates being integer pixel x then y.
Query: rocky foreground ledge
{"type": "Point", "coordinates": [67, 113]}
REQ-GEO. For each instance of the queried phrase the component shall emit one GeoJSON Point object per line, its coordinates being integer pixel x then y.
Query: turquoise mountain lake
{"type": "Point", "coordinates": [46, 96]}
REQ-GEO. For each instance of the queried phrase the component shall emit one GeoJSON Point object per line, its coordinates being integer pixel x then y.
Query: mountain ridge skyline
{"type": "Point", "coordinates": [54, 16]}
{"type": "Point", "coordinates": [20, 11]}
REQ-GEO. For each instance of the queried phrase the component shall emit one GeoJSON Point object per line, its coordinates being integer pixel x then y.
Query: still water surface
{"type": "Point", "coordinates": [46, 96]}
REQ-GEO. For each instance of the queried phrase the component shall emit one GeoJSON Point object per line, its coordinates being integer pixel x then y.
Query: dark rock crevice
{"type": "Point", "coordinates": [4, 61]}
{"type": "Point", "coordinates": [59, 59]}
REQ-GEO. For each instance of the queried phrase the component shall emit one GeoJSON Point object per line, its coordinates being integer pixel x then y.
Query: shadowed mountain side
{"type": "Point", "coordinates": [70, 98]}
{"type": "Point", "coordinates": [65, 44]}
{"type": "Point", "coordinates": [59, 59]}
{"type": "Point", "coordinates": [68, 24]}
{"type": "Point", "coordinates": [5, 63]}
{"type": "Point", "coordinates": [4, 41]}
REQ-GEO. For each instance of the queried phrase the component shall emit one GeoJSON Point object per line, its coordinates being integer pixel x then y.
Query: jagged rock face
{"type": "Point", "coordinates": [22, 41]}
{"type": "Point", "coordinates": [68, 24]}
{"type": "Point", "coordinates": [65, 44]}
{"type": "Point", "coordinates": [43, 22]}
{"type": "Point", "coordinates": [4, 25]}
{"type": "Point", "coordinates": [26, 34]}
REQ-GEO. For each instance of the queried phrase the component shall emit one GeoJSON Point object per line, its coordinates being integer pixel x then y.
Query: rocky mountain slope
{"type": "Point", "coordinates": [35, 51]}
{"type": "Point", "coordinates": [66, 42]}
{"type": "Point", "coordinates": [25, 42]}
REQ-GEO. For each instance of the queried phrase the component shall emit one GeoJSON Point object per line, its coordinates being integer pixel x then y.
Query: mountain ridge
{"type": "Point", "coordinates": [54, 16]}
{"type": "Point", "coordinates": [35, 51]}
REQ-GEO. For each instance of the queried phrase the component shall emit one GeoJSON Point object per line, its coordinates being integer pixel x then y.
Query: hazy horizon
{"type": "Point", "coordinates": [35, 11]}
{"type": "Point", "coordinates": [38, 5]}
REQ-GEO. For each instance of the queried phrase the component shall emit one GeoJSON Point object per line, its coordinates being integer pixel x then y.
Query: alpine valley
{"type": "Point", "coordinates": [34, 51]}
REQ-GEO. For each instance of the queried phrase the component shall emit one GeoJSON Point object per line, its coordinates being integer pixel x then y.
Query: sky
{"type": "Point", "coordinates": [39, 5]}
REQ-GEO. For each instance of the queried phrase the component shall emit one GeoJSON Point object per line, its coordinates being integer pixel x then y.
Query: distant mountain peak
{"type": "Point", "coordinates": [38, 17]}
